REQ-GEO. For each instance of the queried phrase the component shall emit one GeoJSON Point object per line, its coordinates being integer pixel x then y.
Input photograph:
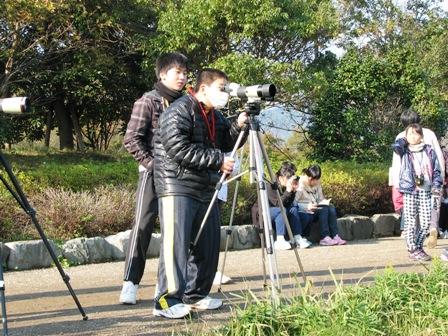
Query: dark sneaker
{"type": "Point", "coordinates": [419, 255]}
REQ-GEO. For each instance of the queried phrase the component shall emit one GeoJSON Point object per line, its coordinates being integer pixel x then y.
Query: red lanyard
{"type": "Point", "coordinates": [209, 123]}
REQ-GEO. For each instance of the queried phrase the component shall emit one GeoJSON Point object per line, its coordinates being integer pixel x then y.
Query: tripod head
{"type": "Point", "coordinates": [252, 108]}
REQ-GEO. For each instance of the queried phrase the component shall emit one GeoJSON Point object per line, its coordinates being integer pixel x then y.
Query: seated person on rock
{"type": "Point", "coordinates": [314, 207]}
{"type": "Point", "coordinates": [287, 186]}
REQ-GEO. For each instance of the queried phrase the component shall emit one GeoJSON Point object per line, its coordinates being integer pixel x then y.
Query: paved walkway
{"type": "Point", "coordinates": [38, 302]}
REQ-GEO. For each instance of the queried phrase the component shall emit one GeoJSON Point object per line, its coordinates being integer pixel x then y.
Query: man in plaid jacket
{"type": "Point", "coordinates": [171, 71]}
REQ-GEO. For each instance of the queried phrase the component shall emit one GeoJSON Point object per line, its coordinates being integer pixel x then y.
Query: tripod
{"type": "Point", "coordinates": [17, 193]}
{"type": "Point", "coordinates": [2, 297]}
{"type": "Point", "coordinates": [258, 157]}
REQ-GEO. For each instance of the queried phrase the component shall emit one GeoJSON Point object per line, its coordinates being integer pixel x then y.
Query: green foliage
{"type": "Point", "coordinates": [72, 171]}
{"type": "Point", "coordinates": [256, 42]}
{"type": "Point", "coordinates": [275, 30]}
{"type": "Point", "coordinates": [358, 117]}
{"type": "Point", "coordinates": [396, 304]}
{"type": "Point", "coordinates": [80, 54]}
{"type": "Point", "coordinates": [65, 263]}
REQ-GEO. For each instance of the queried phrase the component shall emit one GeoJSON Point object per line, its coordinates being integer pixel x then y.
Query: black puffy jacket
{"type": "Point", "coordinates": [186, 161]}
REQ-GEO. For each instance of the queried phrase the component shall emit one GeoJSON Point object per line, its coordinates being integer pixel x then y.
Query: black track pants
{"type": "Point", "coordinates": [145, 216]}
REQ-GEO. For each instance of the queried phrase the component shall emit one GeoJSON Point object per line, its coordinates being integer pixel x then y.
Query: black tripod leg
{"type": "Point", "coordinates": [2, 298]}
{"type": "Point", "coordinates": [23, 202]}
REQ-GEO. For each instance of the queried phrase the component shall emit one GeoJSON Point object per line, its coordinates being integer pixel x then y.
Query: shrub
{"type": "Point", "coordinates": [14, 222]}
{"type": "Point", "coordinates": [67, 214]}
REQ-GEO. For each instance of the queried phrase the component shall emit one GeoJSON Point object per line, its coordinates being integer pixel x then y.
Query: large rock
{"type": "Point", "coordinates": [397, 228]}
{"type": "Point", "coordinates": [226, 231]}
{"type": "Point", "coordinates": [384, 225]}
{"type": "Point", "coordinates": [30, 254]}
{"type": "Point", "coordinates": [119, 244]}
{"type": "Point", "coordinates": [88, 250]}
{"type": "Point", "coordinates": [245, 237]}
{"type": "Point", "coordinates": [99, 250]}
{"type": "Point", "coordinates": [154, 245]}
{"type": "Point", "coordinates": [4, 254]}
{"type": "Point", "coordinates": [353, 227]}
{"type": "Point", "coordinates": [76, 251]}
{"type": "Point", "coordinates": [345, 227]}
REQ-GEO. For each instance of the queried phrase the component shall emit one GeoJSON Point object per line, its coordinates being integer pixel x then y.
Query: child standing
{"type": "Point", "coordinates": [420, 180]}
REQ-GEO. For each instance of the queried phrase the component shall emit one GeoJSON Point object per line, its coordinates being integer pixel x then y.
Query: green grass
{"type": "Point", "coordinates": [396, 304]}
{"type": "Point", "coordinates": [74, 171]}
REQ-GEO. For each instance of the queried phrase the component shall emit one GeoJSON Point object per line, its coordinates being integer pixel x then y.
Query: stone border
{"type": "Point", "coordinates": [24, 255]}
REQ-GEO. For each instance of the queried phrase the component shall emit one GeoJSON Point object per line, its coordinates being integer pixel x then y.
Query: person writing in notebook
{"type": "Point", "coordinates": [310, 200]}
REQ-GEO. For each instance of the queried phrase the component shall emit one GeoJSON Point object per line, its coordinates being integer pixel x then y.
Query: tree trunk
{"type": "Point", "coordinates": [5, 90]}
{"type": "Point", "coordinates": [48, 126]}
{"type": "Point", "coordinates": [64, 125]}
{"type": "Point", "coordinates": [76, 127]}
{"type": "Point", "coordinates": [316, 48]}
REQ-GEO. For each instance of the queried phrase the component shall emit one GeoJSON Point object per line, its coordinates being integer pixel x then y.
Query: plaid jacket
{"type": "Point", "coordinates": [141, 129]}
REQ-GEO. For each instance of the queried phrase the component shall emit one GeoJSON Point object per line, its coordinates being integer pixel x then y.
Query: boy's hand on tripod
{"type": "Point", "coordinates": [242, 119]}
{"type": "Point", "coordinates": [227, 165]}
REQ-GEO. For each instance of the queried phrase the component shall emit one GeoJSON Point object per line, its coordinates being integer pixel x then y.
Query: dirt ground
{"type": "Point", "coordinates": [38, 302]}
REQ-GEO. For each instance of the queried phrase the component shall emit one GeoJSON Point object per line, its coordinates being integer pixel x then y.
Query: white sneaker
{"type": "Point", "coordinates": [303, 243]}
{"type": "Point", "coordinates": [207, 303]}
{"type": "Point", "coordinates": [225, 279]}
{"type": "Point", "coordinates": [445, 234]}
{"type": "Point", "coordinates": [177, 311]}
{"type": "Point", "coordinates": [281, 244]}
{"type": "Point", "coordinates": [128, 293]}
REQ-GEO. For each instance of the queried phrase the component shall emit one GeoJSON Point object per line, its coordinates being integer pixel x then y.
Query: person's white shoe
{"type": "Point", "coordinates": [302, 242]}
{"type": "Point", "coordinates": [177, 311]}
{"type": "Point", "coordinates": [225, 279]}
{"type": "Point", "coordinates": [281, 244]}
{"type": "Point", "coordinates": [445, 234]}
{"type": "Point", "coordinates": [128, 293]}
{"type": "Point", "coordinates": [207, 303]}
